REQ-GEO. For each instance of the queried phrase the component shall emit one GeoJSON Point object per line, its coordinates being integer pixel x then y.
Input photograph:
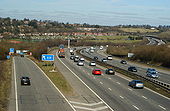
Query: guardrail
{"type": "Point", "coordinates": [161, 84]}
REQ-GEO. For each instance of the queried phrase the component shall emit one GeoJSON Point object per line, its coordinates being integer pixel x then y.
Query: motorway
{"type": "Point", "coordinates": [114, 90]}
{"type": "Point", "coordinates": [40, 96]}
{"type": "Point", "coordinates": [164, 75]}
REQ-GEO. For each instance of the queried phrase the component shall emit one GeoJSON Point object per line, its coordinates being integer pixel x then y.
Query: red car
{"type": "Point", "coordinates": [97, 72]}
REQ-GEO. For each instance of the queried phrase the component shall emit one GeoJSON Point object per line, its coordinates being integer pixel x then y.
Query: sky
{"type": "Point", "coordinates": [99, 12]}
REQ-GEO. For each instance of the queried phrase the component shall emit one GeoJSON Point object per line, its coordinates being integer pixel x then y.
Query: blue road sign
{"type": "Point", "coordinates": [11, 50]}
{"type": "Point", "coordinates": [47, 57]}
{"type": "Point", "coordinates": [8, 56]}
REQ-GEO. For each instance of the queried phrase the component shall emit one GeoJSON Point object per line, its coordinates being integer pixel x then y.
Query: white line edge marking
{"type": "Point", "coordinates": [162, 107]}
{"type": "Point", "coordinates": [16, 94]}
{"type": "Point", "coordinates": [85, 84]}
{"type": "Point", "coordinates": [54, 85]}
{"type": "Point", "coordinates": [135, 107]}
{"type": "Point", "coordinates": [121, 97]}
{"type": "Point", "coordinates": [144, 97]}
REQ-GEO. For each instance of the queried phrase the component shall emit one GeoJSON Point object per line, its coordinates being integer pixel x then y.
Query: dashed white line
{"type": "Point", "coordinates": [118, 82]}
{"type": "Point", "coordinates": [121, 97]}
{"type": "Point", "coordinates": [162, 107]}
{"type": "Point", "coordinates": [101, 83]}
{"type": "Point", "coordinates": [144, 97]}
{"type": "Point", "coordinates": [135, 107]}
{"type": "Point", "coordinates": [109, 78]}
{"type": "Point", "coordinates": [130, 89]}
{"type": "Point", "coordinates": [109, 88]}
{"type": "Point", "coordinates": [94, 78]}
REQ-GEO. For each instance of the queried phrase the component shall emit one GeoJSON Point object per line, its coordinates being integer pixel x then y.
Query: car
{"type": "Point", "coordinates": [97, 72]}
{"type": "Point", "coordinates": [152, 73]}
{"type": "Point", "coordinates": [123, 62]}
{"type": "Point", "coordinates": [72, 57]}
{"type": "Point", "coordinates": [25, 80]}
{"type": "Point", "coordinates": [71, 53]}
{"type": "Point", "coordinates": [95, 58]}
{"type": "Point", "coordinates": [80, 63]}
{"type": "Point", "coordinates": [101, 48]}
{"type": "Point", "coordinates": [92, 63]}
{"type": "Point", "coordinates": [132, 68]}
{"type": "Point", "coordinates": [76, 58]}
{"type": "Point", "coordinates": [136, 84]}
{"type": "Point", "coordinates": [104, 60]}
{"type": "Point", "coordinates": [82, 59]}
{"type": "Point", "coordinates": [91, 50]}
{"type": "Point", "coordinates": [109, 57]}
{"type": "Point", "coordinates": [110, 71]}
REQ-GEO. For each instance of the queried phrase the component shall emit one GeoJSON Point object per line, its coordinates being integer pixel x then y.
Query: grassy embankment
{"type": "Point", "coordinates": [5, 83]}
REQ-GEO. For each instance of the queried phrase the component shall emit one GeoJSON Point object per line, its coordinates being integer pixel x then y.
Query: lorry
{"type": "Point", "coordinates": [61, 53]}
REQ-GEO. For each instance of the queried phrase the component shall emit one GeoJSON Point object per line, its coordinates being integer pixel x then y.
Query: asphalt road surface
{"type": "Point", "coordinates": [114, 90]}
{"type": "Point", "coordinates": [163, 76]}
{"type": "Point", "coordinates": [40, 96]}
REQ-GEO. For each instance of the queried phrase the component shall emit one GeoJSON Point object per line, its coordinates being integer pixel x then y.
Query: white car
{"type": "Point", "coordinates": [81, 59]}
{"type": "Point", "coordinates": [101, 47]}
{"type": "Point", "coordinates": [109, 58]}
{"type": "Point", "coordinates": [92, 63]}
{"type": "Point", "coordinates": [80, 63]}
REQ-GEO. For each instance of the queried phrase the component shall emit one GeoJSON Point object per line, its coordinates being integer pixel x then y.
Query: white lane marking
{"type": "Point", "coordinates": [157, 93]}
{"type": "Point", "coordinates": [16, 94]}
{"type": "Point", "coordinates": [101, 83]}
{"type": "Point", "coordinates": [135, 107]}
{"type": "Point", "coordinates": [53, 84]}
{"type": "Point", "coordinates": [162, 107]}
{"type": "Point", "coordinates": [118, 82]}
{"type": "Point", "coordinates": [109, 78]}
{"type": "Point", "coordinates": [121, 97]}
{"type": "Point", "coordinates": [91, 109]}
{"type": "Point", "coordinates": [85, 104]}
{"type": "Point", "coordinates": [109, 88]}
{"type": "Point", "coordinates": [130, 89]}
{"type": "Point", "coordinates": [144, 97]}
{"type": "Point", "coordinates": [94, 77]}
{"type": "Point", "coordinates": [85, 84]}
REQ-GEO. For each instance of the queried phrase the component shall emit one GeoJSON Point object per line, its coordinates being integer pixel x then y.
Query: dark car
{"type": "Point", "coordinates": [22, 55]}
{"type": "Point", "coordinates": [123, 62]}
{"type": "Point", "coordinates": [136, 84]}
{"type": "Point", "coordinates": [110, 71]}
{"type": "Point", "coordinates": [104, 60]}
{"type": "Point", "coordinates": [25, 80]}
{"type": "Point", "coordinates": [71, 53]}
{"type": "Point", "coordinates": [72, 57]}
{"type": "Point", "coordinates": [132, 68]}
{"type": "Point", "coordinates": [95, 58]}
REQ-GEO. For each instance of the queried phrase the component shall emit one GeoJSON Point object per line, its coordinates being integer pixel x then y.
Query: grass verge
{"type": "Point", "coordinates": [56, 77]}
{"type": "Point", "coordinates": [147, 83]}
{"type": "Point", "coordinates": [5, 83]}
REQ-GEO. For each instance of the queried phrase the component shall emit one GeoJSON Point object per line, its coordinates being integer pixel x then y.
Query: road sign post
{"type": "Point", "coordinates": [48, 57]}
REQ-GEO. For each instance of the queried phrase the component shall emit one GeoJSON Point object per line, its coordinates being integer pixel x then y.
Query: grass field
{"type": "Point", "coordinates": [115, 39]}
{"type": "Point", "coordinates": [141, 30]}
{"type": "Point", "coordinates": [5, 84]}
